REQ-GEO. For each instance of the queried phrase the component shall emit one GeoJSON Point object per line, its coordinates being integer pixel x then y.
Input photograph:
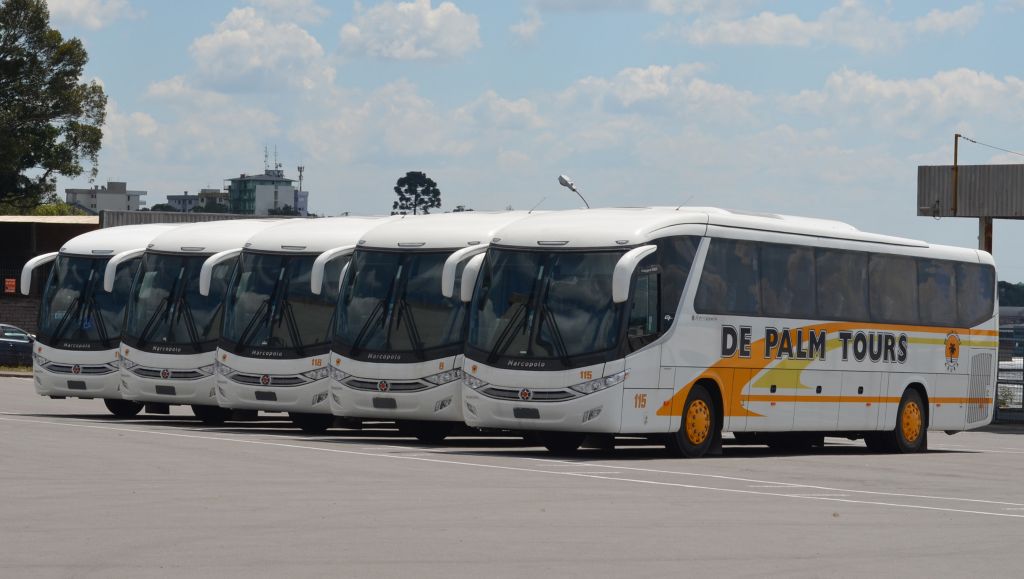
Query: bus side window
{"type": "Point", "coordinates": [975, 291]}
{"type": "Point", "coordinates": [936, 290]}
{"type": "Point", "coordinates": [893, 283]}
{"type": "Point", "coordinates": [729, 283]}
{"type": "Point", "coordinates": [675, 258]}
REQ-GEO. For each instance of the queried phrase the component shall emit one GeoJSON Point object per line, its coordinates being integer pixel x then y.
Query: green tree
{"type": "Point", "coordinates": [57, 208]}
{"type": "Point", "coordinates": [211, 208]}
{"type": "Point", "coordinates": [50, 121]}
{"type": "Point", "coordinates": [164, 207]}
{"type": "Point", "coordinates": [417, 193]}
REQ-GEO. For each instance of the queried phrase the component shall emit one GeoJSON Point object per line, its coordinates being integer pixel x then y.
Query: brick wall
{"type": "Point", "coordinates": [20, 311]}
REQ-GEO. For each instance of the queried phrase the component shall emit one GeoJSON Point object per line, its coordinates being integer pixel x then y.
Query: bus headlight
{"type": "Point", "coordinates": [318, 374]}
{"type": "Point", "coordinates": [445, 377]}
{"type": "Point", "coordinates": [337, 375]}
{"type": "Point", "coordinates": [591, 386]}
{"type": "Point", "coordinates": [474, 382]}
{"type": "Point", "coordinates": [40, 360]}
{"type": "Point", "coordinates": [207, 370]}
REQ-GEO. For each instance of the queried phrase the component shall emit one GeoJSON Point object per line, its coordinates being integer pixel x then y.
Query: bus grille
{"type": "Point", "coordinates": [256, 380]}
{"type": "Point", "coordinates": [981, 380]}
{"type": "Point", "coordinates": [399, 386]}
{"type": "Point", "coordinates": [172, 374]}
{"type": "Point", "coordinates": [535, 395]}
{"type": "Point", "coordinates": [82, 369]}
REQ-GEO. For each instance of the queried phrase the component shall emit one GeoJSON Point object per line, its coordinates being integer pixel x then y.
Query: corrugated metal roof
{"type": "Point", "coordinates": [982, 191]}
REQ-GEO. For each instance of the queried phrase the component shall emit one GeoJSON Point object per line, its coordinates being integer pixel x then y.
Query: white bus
{"type": "Point", "coordinates": [275, 334]}
{"type": "Point", "coordinates": [76, 349]}
{"type": "Point", "coordinates": [169, 340]}
{"type": "Point", "coordinates": [398, 341]}
{"type": "Point", "coordinates": [680, 324]}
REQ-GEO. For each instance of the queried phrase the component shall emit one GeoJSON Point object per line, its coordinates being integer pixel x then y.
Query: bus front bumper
{"type": "Point", "coordinates": [600, 412]}
{"type": "Point", "coordinates": [76, 385]}
{"type": "Point", "coordinates": [200, 391]}
{"type": "Point", "coordinates": [308, 398]}
{"type": "Point", "coordinates": [442, 403]}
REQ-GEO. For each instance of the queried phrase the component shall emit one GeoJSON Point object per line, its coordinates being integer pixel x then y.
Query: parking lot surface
{"type": "Point", "coordinates": [87, 495]}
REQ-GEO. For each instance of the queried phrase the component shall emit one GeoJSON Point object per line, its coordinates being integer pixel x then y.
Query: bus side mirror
{"type": "Point", "coordinates": [110, 272]}
{"type": "Point", "coordinates": [206, 272]}
{"type": "Point", "coordinates": [452, 264]}
{"type": "Point", "coordinates": [30, 266]}
{"type": "Point", "coordinates": [316, 277]}
{"type": "Point", "coordinates": [469, 276]}
{"type": "Point", "coordinates": [623, 273]}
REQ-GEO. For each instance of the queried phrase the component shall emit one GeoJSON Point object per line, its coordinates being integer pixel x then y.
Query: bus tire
{"type": "Point", "coordinates": [122, 408]}
{"type": "Point", "coordinates": [428, 431]}
{"type": "Point", "coordinates": [562, 443]}
{"type": "Point", "coordinates": [212, 415]}
{"type": "Point", "coordinates": [311, 423]}
{"type": "Point", "coordinates": [911, 432]}
{"type": "Point", "coordinates": [699, 425]}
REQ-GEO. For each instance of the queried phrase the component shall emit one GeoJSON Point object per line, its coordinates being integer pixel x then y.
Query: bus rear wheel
{"type": "Point", "coordinates": [428, 431]}
{"type": "Point", "coordinates": [561, 443]}
{"type": "Point", "coordinates": [699, 427]}
{"type": "Point", "coordinates": [311, 423]}
{"type": "Point", "coordinates": [122, 408]}
{"type": "Point", "coordinates": [212, 415]}
{"type": "Point", "coordinates": [910, 434]}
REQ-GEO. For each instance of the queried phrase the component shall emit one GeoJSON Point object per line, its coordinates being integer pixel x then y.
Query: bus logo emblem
{"type": "Point", "coordinates": [165, 374]}
{"type": "Point", "coordinates": [76, 369]}
{"type": "Point", "coordinates": [383, 386]}
{"type": "Point", "coordinates": [264, 379]}
{"type": "Point", "coordinates": [525, 394]}
{"type": "Point", "coordinates": [952, 352]}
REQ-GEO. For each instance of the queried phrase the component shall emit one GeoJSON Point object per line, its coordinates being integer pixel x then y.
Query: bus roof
{"type": "Point", "coordinates": [210, 237]}
{"type": "Point", "coordinates": [313, 235]}
{"type": "Point", "coordinates": [439, 231]}
{"type": "Point", "coordinates": [112, 240]}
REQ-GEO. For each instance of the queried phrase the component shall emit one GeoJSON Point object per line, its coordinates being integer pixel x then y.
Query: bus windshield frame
{"type": "Point", "coordinates": [75, 312]}
{"type": "Point", "coordinates": [546, 309]}
{"type": "Point", "coordinates": [390, 308]}
{"type": "Point", "coordinates": [270, 310]}
{"type": "Point", "coordinates": [165, 311]}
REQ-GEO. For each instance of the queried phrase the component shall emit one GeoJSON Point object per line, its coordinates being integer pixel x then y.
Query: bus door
{"type": "Point", "coordinates": [859, 402]}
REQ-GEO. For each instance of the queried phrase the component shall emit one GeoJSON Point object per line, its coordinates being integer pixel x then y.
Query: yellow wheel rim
{"type": "Point", "coordinates": [912, 421]}
{"type": "Point", "coordinates": [698, 422]}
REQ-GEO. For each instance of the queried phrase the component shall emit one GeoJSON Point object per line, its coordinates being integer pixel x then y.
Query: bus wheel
{"type": "Point", "coordinates": [122, 408]}
{"type": "Point", "coordinates": [562, 442]}
{"type": "Point", "coordinates": [311, 423]}
{"type": "Point", "coordinates": [428, 431]}
{"type": "Point", "coordinates": [699, 426]}
{"type": "Point", "coordinates": [212, 415]}
{"type": "Point", "coordinates": [910, 434]}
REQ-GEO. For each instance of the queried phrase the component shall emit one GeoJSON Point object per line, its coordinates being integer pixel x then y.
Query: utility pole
{"type": "Point", "coordinates": [956, 181]}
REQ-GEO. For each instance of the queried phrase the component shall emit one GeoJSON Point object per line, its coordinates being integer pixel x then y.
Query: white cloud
{"type": "Point", "coordinates": [248, 52]}
{"type": "Point", "coordinates": [528, 28]}
{"type": "Point", "coordinates": [491, 110]}
{"type": "Point", "coordinates": [93, 14]}
{"type": "Point", "coordinates": [850, 23]}
{"type": "Point", "coordinates": [910, 106]}
{"type": "Point", "coordinates": [960, 20]}
{"type": "Point", "coordinates": [301, 11]}
{"type": "Point", "coordinates": [412, 31]}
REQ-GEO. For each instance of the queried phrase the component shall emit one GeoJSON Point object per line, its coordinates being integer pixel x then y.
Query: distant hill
{"type": "Point", "coordinates": [1011, 294]}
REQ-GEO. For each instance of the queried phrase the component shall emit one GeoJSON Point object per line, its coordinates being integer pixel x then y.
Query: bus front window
{"type": "Point", "coordinates": [546, 305]}
{"type": "Point", "coordinates": [75, 309]}
{"type": "Point", "coordinates": [392, 302]}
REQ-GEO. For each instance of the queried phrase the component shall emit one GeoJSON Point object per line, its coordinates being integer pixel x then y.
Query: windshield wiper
{"type": "Point", "coordinates": [505, 338]}
{"type": "Point", "coordinates": [185, 311]}
{"type": "Point", "coordinates": [257, 318]}
{"type": "Point", "coordinates": [150, 326]}
{"type": "Point", "coordinates": [293, 328]}
{"type": "Point", "coordinates": [410, 326]}
{"type": "Point", "coordinates": [68, 315]}
{"type": "Point", "coordinates": [556, 334]}
{"type": "Point", "coordinates": [377, 310]}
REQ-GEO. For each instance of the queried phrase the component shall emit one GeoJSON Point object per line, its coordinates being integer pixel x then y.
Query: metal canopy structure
{"type": "Point", "coordinates": [984, 192]}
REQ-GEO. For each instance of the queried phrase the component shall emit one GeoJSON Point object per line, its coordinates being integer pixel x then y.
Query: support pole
{"type": "Point", "coordinates": [956, 180]}
{"type": "Point", "coordinates": [985, 234]}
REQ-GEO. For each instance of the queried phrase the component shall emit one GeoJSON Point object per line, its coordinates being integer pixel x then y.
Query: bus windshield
{"type": "Point", "coordinates": [546, 305]}
{"type": "Point", "coordinates": [76, 312]}
{"type": "Point", "coordinates": [270, 311]}
{"type": "Point", "coordinates": [166, 312]}
{"type": "Point", "coordinates": [392, 302]}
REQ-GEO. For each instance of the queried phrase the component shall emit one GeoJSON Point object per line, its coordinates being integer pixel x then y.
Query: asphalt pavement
{"type": "Point", "coordinates": [87, 495]}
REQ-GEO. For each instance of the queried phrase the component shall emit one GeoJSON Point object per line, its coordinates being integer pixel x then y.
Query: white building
{"type": "Point", "coordinates": [183, 203]}
{"type": "Point", "coordinates": [114, 196]}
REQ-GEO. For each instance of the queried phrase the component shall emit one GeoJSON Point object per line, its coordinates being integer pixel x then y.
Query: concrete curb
{"type": "Point", "coordinates": [6, 374]}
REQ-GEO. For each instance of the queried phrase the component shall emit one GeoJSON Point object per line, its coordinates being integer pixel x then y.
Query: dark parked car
{"type": "Point", "coordinates": [15, 346]}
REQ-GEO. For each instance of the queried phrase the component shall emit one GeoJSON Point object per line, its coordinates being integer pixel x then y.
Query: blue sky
{"type": "Point", "coordinates": [812, 108]}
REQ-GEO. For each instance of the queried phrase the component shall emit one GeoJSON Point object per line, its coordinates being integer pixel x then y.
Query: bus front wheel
{"type": "Point", "coordinates": [122, 408]}
{"type": "Point", "coordinates": [311, 423]}
{"type": "Point", "coordinates": [699, 427]}
{"type": "Point", "coordinates": [212, 415]}
{"type": "Point", "coordinates": [911, 432]}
